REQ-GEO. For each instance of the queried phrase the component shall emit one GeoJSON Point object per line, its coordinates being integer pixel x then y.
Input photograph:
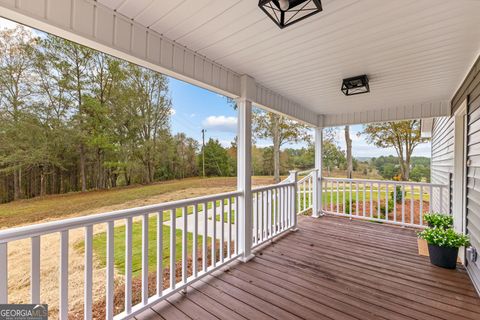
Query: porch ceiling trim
{"type": "Point", "coordinates": [407, 112]}
{"type": "Point", "coordinates": [91, 24]}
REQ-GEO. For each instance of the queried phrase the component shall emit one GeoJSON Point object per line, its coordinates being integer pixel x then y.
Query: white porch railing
{"type": "Point", "coordinates": [204, 230]}
{"type": "Point", "coordinates": [273, 211]}
{"type": "Point", "coordinates": [395, 202]}
{"type": "Point", "coordinates": [305, 191]}
{"type": "Point", "coordinates": [210, 249]}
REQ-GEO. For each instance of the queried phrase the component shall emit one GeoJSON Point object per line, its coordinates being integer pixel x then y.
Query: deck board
{"type": "Point", "coordinates": [331, 268]}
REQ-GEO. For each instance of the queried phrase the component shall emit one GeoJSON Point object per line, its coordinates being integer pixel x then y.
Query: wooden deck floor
{"type": "Point", "coordinates": [331, 268]}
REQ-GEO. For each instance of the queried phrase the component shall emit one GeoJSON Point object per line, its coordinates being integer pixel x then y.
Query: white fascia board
{"type": "Point", "coordinates": [426, 127]}
{"type": "Point", "coordinates": [266, 98]}
{"type": "Point", "coordinates": [91, 24]}
{"type": "Point", "coordinates": [409, 112]}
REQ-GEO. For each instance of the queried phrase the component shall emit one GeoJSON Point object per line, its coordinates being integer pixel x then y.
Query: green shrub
{"type": "Point", "coordinates": [398, 193]}
{"type": "Point", "coordinates": [444, 237]}
{"type": "Point", "coordinates": [439, 220]}
{"type": "Point", "coordinates": [383, 208]}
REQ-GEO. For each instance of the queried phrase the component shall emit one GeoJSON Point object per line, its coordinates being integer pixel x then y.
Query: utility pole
{"type": "Point", "coordinates": [203, 151]}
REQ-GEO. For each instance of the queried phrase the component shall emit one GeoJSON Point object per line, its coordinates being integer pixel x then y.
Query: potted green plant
{"type": "Point", "coordinates": [439, 220]}
{"type": "Point", "coordinates": [443, 245]}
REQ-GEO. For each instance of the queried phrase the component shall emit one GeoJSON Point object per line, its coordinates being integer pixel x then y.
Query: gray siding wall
{"type": "Point", "coordinates": [442, 160]}
{"type": "Point", "coordinates": [470, 90]}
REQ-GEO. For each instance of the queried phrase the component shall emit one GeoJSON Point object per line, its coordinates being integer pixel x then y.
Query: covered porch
{"type": "Point", "coordinates": [309, 247]}
{"type": "Point", "coordinates": [331, 268]}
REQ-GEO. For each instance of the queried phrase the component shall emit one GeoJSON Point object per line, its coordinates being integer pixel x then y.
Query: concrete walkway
{"type": "Point", "coordinates": [201, 221]}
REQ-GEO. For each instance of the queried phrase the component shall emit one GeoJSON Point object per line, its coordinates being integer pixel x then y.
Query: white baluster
{"type": "Point", "coordinates": [128, 265]}
{"type": "Point", "coordinates": [35, 271]}
{"type": "Point", "coordinates": [88, 276]}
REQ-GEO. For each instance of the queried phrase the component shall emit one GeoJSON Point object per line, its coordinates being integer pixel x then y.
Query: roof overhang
{"type": "Point", "coordinates": [414, 61]}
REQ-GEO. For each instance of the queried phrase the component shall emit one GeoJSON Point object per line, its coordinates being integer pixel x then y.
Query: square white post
{"type": "Point", "coordinates": [244, 177]}
{"type": "Point", "coordinates": [294, 207]}
{"type": "Point", "coordinates": [317, 184]}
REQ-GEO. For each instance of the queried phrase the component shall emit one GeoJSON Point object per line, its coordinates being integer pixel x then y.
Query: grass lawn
{"type": "Point", "coordinates": [99, 246]}
{"type": "Point", "coordinates": [328, 194]}
{"type": "Point", "coordinates": [59, 206]}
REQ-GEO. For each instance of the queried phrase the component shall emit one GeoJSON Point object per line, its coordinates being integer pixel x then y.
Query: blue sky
{"type": "Point", "coordinates": [196, 109]}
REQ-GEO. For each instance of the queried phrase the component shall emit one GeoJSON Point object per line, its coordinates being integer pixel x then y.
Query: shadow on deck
{"type": "Point", "coordinates": [331, 268]}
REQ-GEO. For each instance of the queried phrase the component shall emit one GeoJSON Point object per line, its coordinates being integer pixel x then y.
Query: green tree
{"type": "Point", "coordinates": [74, 63]}
{"type": "Point", "coordinates": [269, 125]}
{"type": "Point", "coordinates": [16, 98]}
{"type": "Point", "coordinates": [403, 136]}
{"type": "Point", "coordinates": [217, 160]}
{"type": "Point", "coordinates": [333, 156]}
{"type": "Point", "coordinates": [349, 159]}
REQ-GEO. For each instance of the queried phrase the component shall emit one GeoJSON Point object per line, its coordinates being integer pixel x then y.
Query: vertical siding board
{"type": "Point", "coordinates": [10, 3]}
{"type": "Point", "coordinates": [189, 64]}
{"type": "Point", "coordinates": [83, 17]}
{"type": "Point", "coordinates": [153, 52]}
{"type": "Point", "coordinates": [123, 36]}
{"type": "Point", "coordinates": [223, 79]}
{"type": "Point", "coordinates": [208, 72]}
{"type": "Point", "coordinates": [139, 41]}
{"type": "Point", "coordinates": [35, 7]}
{"type": "Point", "coordinates": [216, 76]}
{"type": "Point", "coordinates": [198, 72]}
{"type": "Point", "coordinates": [104, 26]}
{"type": "Point", "coordinates": [58, 11]}
{"type": "Point", "coordinates": [178, 54]}
{"type": "Point", "coordinates": [166, 54]}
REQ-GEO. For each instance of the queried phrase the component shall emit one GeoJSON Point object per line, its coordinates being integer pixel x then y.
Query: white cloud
{"type": "Point", "coordinates": [221, 123]}
{"type": "Point", "coordinates": [226, 143]}
{"type": "Point", "coordinates": [263, 144]}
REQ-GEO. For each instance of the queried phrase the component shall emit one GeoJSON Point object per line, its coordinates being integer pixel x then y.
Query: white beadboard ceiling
{"type": "Point", "coordinates": [414, 51]}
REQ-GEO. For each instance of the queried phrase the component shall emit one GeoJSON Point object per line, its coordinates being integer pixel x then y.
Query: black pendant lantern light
{"type": "Point", "coordinates": [355, 85]}
{"type": "Point", "coordinates": [287, 12]}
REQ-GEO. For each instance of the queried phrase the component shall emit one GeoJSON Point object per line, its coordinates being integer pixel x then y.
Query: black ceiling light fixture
{"type": "Point", "coordinates": [355, 85]}
{"type": "Point", "coordinates": [287, 12]}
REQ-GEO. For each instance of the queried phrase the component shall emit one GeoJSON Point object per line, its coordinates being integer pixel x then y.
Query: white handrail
{"type": "Point", "coordinates": [274, 214]}
{"type": "Point", "coordinates": [29, 231]}
{"type": "Point", "coordinates": [273, 211]}
{"type": "Point", "coordinates": [175, 210]}
{"type": "Point", "coordinates": [305, 187]}
{"type": "Point", "coordinates": [407, 183]}
{"type": "Point", "coordinates": [272, 186]}
{"type": "Point", "coordinates": [377, 200]}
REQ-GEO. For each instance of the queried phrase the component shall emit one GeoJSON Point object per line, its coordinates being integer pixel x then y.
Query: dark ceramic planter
{"type": "Point", "coordinates": [444, 257]}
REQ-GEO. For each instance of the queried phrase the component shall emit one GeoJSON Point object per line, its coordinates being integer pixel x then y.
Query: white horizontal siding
{"type": "Point", "coordinates": [470, 90]}
{"type": "Point", "coordinates": [442, 158]}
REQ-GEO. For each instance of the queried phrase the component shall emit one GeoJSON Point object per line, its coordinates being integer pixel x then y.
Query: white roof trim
{"type": "Point", "coordinates": [416, 111]}
{"type": "Point", "coordinates": [427, 127]}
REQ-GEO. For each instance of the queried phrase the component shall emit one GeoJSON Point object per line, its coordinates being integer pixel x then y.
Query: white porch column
{"type": "Point", "coordinates": [317, 184]}
{"type": "Point", "coordinates": [244, 168]}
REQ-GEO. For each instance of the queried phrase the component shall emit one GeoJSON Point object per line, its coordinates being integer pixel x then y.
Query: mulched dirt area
{"type": "Point", "coordinates": [407, 217]}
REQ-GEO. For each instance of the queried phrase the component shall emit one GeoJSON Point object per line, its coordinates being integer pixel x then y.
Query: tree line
{"type": "Point", "coordinates": [73, 119]}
